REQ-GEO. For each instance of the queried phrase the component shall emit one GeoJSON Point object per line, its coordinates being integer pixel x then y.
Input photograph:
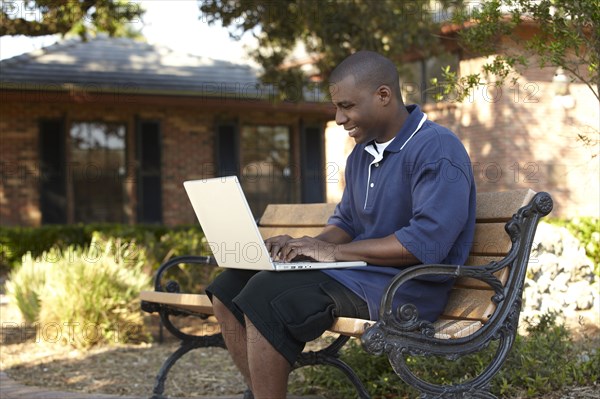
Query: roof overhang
{"type": "Point", "coordinates": [88, 94]}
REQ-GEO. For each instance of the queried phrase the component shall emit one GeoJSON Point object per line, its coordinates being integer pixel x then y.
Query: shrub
{"type": "Point", "coordinates": [17, 241]}
{"type": "Point", "coordinates": [586, 230]}
{"type": "Point", "coordinates": [89, 294]}
{"type": "Point", "coordinates": [551, 359]}
{"type": "Point", "coordinates": [160, 242]}
{"type": "Point", "coordinates": [25, 285]}
{"type": "Point", "coordinates": [544, 361]}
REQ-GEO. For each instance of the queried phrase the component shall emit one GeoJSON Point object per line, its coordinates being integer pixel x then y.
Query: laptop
{"type": "Point", "coordinates": [231, 231]}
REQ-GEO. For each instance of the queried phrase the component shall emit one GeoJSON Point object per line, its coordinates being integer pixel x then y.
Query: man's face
{"type": "Point", "coordinates": [356, 109]}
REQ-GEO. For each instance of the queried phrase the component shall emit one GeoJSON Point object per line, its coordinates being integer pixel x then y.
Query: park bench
{"type": "Point", "coordinates": [484, 304]}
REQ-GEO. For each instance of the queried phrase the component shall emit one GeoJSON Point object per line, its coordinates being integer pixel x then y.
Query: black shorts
{"type": "Point", "coordinates": [288, 308]}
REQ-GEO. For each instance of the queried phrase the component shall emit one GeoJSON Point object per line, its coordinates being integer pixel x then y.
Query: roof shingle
{"type": "Point", "coordinates": [117, 64]}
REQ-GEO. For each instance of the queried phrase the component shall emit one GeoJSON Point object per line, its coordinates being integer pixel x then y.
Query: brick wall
{"type": "Point", "coordinates": [19, 196]}
{"type": "Point", "coordinates": [523, 135]}
{"type": "Point", "coordinates": [187, 146]}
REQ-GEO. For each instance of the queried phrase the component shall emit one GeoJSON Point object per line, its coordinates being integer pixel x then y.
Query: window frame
{"type": "Point", "coordinates": [71, 200]}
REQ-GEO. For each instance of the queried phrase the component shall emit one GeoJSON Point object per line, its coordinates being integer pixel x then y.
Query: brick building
{"type": "Point", "coordinates": [107, 131]}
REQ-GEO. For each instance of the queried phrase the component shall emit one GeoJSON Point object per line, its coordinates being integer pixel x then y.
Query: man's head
{"type": "Point", "coordinates": [366, 92]}
{"type": "Point", "coordinates": [369, 70]}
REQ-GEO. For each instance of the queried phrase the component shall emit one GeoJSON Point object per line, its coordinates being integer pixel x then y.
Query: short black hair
{"type": "Point", "coordinates": [370, 70]}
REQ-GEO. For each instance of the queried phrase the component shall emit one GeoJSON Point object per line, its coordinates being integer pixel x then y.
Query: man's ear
{"type": "Point", "coordinates": [384, 94]}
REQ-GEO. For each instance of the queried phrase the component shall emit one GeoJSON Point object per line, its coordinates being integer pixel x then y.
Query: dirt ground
{"type": "Point", "coordinates": [35, 356]}
{"type": "Point", "coordinates": [28, 356]}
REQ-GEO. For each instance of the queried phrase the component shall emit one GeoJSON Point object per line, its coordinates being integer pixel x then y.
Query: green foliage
{"type": "Point", "coordinates": [160, 242]}
{"type": "Point", "coordinates": [586, 230]}
{"type": "Point", "coordinates": [85, 296]}
{"type": "Point", "coordinates": [25, 285]}
{"type": "Point", "coordinates": [48, 17]}
{"type": "Point", "coordinates": [553, 360]}
{"type": "Point", "coordinates": [543, 361]}
{"type": "Point", "coordinates": [568, 37]}
{"type": "Point", "coordinates": [329, 30]}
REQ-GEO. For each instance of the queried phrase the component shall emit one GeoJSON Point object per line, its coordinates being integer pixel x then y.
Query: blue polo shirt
{"type": "Point", "coordinates": [422, 190]}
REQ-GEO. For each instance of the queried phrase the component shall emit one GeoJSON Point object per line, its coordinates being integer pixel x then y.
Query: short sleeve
{"type": "Point", "coordinates": [441, 198]}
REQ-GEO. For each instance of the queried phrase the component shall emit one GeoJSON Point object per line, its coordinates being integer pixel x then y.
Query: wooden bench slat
{"type": "Point", "coordinates": [491, 207]}
{"type": "Point", "coordinates": [350, 326]}
{"type": "Point", "coordinates": [500, 206]}
{"type": "Point", "coordinates": [472, 283]}
{"type": "Point", "coordinates": [481, 260]}
{"type": "Point", "coordinates": [444, 329]}
{"type": "Point", "coordinates": [490, 240]}
{"type": "Point", "coordinates": [192, 302]}
{"type": "Point", "coordinates": [469, 304]}
{"type": "Point", "coordinates": [292, 215]}
{"type": "Point", "coordinates": [452, 329]}
{"type": "Point", "coordinates": [295, 232]}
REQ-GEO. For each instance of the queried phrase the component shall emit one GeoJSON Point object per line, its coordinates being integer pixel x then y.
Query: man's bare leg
{"type": "Point", "coordinates": [269, 370]}
{"type": "Point", "coordinates": [234, 335]}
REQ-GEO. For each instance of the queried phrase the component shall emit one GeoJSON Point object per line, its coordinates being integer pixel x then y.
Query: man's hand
{"type": "Point", "coordinates": [320, 251]}
{"type": "Point", "coordinates": [334, 245]}
{"type": "Point", "coordinates": [275, 244]}
{"type": "Point", "coordinates": [285, 249]}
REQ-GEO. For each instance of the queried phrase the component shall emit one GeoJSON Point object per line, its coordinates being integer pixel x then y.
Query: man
{"type": "Point", "coordinates": [409, 199]}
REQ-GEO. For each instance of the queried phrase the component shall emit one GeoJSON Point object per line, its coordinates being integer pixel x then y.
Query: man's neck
{"type": "Point", "coordinates": [400, 117]}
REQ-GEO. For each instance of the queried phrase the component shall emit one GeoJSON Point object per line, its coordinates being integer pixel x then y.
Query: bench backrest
{"type": "Point", "coordinates": [296, 220]}
{"type": "Point", "coordinates": [470, 299]}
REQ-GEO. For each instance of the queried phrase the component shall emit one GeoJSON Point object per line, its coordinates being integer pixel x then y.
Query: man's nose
{"type": "Point", "coordinates": [340, 117]}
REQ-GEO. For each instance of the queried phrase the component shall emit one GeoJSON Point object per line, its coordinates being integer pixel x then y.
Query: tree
{"type": "Point", "coordinates": [568, 37]}
{"type": "Point", "coordinates": [329, 30]}
{"type": "Point", "coordinates": [48, 17]}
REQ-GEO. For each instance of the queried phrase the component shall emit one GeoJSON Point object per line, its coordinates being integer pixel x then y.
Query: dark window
{"type": "Point", "coordinates": [227, 150]}
{"type": "Point", "coordinates": [53, 198]}
{"type": "Point", "coordinates": [97, 171]}
{"type": "Point", "coordinates": [313, 189]}
{"type": "Point", "coordinates": [149, 172]}
{"type": "Point", "coordinates": [416, 78]}
{"type": "Point", "coordinates": [267, 173]}
{"type": "Point", "coordinates": [261, 156]}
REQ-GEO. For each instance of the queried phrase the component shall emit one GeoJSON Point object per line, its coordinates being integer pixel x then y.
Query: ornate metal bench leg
{"type": "Point", "coordinates": [464, 395]}
{"type": "Point", "coordinates": [330, 356]}
{"type": "Point", "coordinates": [350, 374]}
{"type": "Point", "coordinates": [476, 388]}
{"type": "Point", "coordinates": [159, 382]}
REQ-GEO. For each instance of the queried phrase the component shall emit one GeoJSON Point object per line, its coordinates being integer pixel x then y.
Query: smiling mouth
{"type": "Point", "coordinates": [352, 132]}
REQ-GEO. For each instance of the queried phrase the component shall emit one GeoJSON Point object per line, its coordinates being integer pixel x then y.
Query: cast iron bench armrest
{"type": "Point", "coordinates": [402, 333]}
{"type": "Point", "coordinates": [205, 260]}
{"type": "Point", "coordinates": [418, 335]}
